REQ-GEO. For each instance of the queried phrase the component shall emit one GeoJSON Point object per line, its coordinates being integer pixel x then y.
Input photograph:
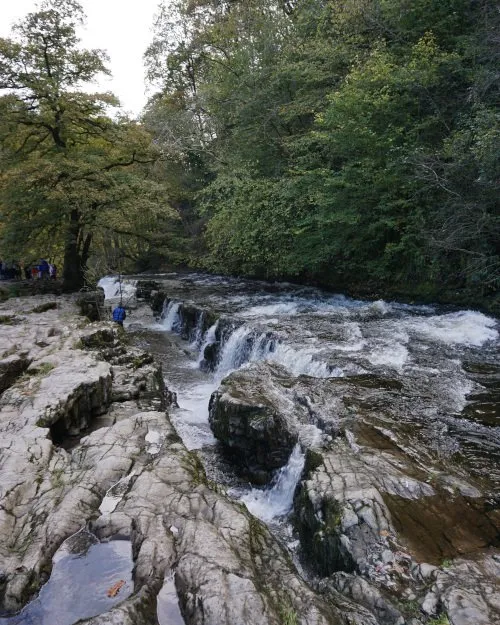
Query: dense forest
{"type": "Point", "coordinates": [351, 143]}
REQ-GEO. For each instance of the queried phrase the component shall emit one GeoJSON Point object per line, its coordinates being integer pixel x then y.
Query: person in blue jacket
{"type": "Point", "coordinates": [43, 268]}
{"type": "Point", "coordinates": [119, 315]}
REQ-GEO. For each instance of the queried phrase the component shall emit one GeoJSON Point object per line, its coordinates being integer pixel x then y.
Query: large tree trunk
{"type": "Point", "coordinates": [73, 278]}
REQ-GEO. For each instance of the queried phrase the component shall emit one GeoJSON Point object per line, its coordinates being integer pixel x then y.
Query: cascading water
{"type": "Point", "coordinates": [197, 337]}
{"type": "Point", "coordinates": [276, 501]}
{"type": "Point", "coordinates": [115, 287]}
{"type": "Point", "coordinates": [310, 334]}
{"type": "Point", "coordinates": [170, 316]}
{"type": "Point", "coordinates": [208, 339]}
{"type": "Point", "coordinates": [243, 345]}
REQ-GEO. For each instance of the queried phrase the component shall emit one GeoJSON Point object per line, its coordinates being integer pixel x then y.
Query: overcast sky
{"type": "Point", "coordinates": [121, 27]}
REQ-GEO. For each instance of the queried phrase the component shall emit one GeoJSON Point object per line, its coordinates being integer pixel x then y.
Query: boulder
{"type": "Point", "coordinates": [91, 304]}
{"type": "Point", "coordinates": [251, 424]}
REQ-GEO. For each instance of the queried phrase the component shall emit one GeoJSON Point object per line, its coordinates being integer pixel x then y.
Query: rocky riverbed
{"type": "Point", "coordinates": [247, 454]}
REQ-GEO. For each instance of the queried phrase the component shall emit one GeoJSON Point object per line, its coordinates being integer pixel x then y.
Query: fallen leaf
{"type": "Point", "coordinates": [115, 588]}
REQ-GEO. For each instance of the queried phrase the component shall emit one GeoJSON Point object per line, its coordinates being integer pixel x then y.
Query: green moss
{"type": "Point", "coordinates": [442, 619]}
{"type": "Point", "coordinates": [314, 459]}
{"type": "Point", "coordinates": [410, 608]}
{"type": "Point", "coordinates": [192, 464]}
{"type": "Point", "coordinates": [288, 616]}
{"type": "Point", "coordinates": [44, 307]}
{"type": "Point", "coordinates": [57, 478]}
{"type": "Point", "coordinates": [44, 368]}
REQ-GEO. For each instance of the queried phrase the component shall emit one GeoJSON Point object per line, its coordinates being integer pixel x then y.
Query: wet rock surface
{"type": "Point", "coordinates": [253, 424]}
{"type": "Point", "coordinates": [400, 486]}
{"type": "Point", "coordinates": [227, 566]}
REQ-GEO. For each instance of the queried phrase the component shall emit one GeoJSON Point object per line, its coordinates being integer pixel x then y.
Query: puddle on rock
{"type": "Point", "coordinates": [88, 578]}
{"type": "Point", "coordinates": [168, 610]}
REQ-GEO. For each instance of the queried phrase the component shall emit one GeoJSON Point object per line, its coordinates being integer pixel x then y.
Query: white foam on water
{"type": "Point", "coordinates": [111, 287]}
{"type": "Point", "coordinates": [466, 327]}
{"type": "Point", "coordinates": [390, 350]}
{"type": "Point", "coordinates": [310, 436]}
{"type": "Point", "coordinates": [198, 331]}
{"type": "Point", "coordinates": [302, 362]}
{"type": "Point", "coordinates": [235, 350]}
{"type": "Point", "coordinates": [380, 306]}
{"type": "Point", "coordinates": [271, 310]}
{"type": "Point", "coordinates": [191, 418]}
{"type": "Point", "coordinates": [351, 440]}
{"type": "Point", "coordinates": [277, 501]}
{"type": "Point", "coordinates": [245, 345]}
{"type": "Point", "coordinates": [170, 316]}
{"type": "Point", "coordinates": [394, 355]}
{"type": "Point", "coordinates": [353, 340]}
{"type": "Point", "coordinates": [207, 340]}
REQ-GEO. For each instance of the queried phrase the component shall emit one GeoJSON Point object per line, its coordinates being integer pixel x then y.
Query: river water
{"type": "Point", "coordinates": [447, 361]}
{"type": "Point", "coordinates": [449, 358]}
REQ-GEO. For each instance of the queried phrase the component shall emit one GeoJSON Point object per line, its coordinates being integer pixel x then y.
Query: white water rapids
{"type": "Point", "coordinates": [309, 333]}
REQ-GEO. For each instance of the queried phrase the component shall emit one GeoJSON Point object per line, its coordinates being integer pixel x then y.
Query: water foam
{"type": "Point", "coordinates": [277, 501]}
{"type": "Point", "coordinates": [466, 327]}
{"type": "Point", "coordinates": [208, 339]}
{"type": "Point", "coordinates": [111, 287]}
{"type": "Point", "coordinates": [170, 316]}
{"type": "Point", "coordinates": [246, 345]}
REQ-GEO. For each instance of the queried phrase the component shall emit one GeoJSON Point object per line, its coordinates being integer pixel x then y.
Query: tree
{"type": "Point", "coordinates": [345, 142]}
{"type": "Point", "coordinates": [62, 167]}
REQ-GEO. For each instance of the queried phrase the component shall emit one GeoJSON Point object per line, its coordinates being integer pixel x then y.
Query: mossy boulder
{"type": "Point", "coordinates": [252, 429]}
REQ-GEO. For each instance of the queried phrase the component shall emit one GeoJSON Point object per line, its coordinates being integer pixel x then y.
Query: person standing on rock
{"type": "Point", "coordinates": [43, 268]}
{"type": "Point", "coordinates": [119, 315]}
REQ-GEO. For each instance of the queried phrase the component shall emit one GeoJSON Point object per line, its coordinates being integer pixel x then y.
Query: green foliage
{"type": "Point", "coordinates": [351, 143]}
{"type": "Point", "coordinates": [288, 616]}
{"type": "Point", "coordinates": [442, 619]}
{"type": "Point", "coordinates": [73, 181]}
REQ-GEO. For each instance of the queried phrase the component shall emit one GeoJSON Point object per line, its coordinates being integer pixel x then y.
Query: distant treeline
{"type": "Point", "coordinates": [354, 143]}
{"type": "Point", "coordinates": [350, 143]}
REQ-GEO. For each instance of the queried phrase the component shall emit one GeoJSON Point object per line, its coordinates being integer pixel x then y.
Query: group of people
{"type": "Point", "coordinates": [43, 270]}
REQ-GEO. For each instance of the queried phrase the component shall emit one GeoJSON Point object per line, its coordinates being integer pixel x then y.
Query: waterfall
{"type": "Point", "coordinates": [244, 345]}
{"type": "Point", "coordinates": [208, 339]}
{"type": "Point", "coordinates": [198, 331]}
{"type": "Point", "coordinates": [235, 350]}
{"type": "Point", "coordinates": [170, 316]}
{"type": "Point", "coordinates": [111, 286]}
{"type": "Point", "coordinates": [302, 362]}
{"type": "Point", "coordinates": [277, 501]}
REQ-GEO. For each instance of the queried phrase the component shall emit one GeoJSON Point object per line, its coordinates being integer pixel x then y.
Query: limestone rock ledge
{"type": "Point", "coordinates": [383, 515]}
{"type": "Point", "coordinates": [248, 416]}
{"type": "Point", "coordinates": [57, 387]}
{"type": "Point", "coordinates": [89, 412]}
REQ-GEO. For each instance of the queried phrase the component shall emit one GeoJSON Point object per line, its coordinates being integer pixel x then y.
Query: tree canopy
{"type": "Point", "coordinates": [351, 143]}
{"type": "Point", "coordinates": [72, 179]}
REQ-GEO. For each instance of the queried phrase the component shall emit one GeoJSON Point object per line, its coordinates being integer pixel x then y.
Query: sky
{"type": "Point", "coordinates": [123, 28]}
